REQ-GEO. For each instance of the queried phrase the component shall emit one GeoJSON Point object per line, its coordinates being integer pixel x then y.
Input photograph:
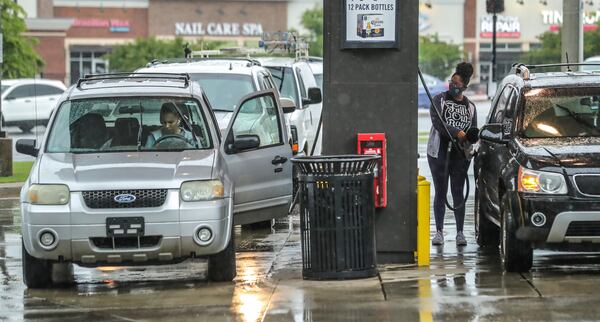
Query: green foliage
{"type": "Point", "coordinates": [312, 20]}
{"type": "Point", "coordinates": [129, 57]}
{"type": "Point", "coordinates": [550, 51]}
{"type": "Point", "coordinates": [20, 58]}
{"type": "Point", "coordinates": [438, 58]}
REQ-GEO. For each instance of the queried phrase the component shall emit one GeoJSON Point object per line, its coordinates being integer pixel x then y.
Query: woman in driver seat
{"type": "Point", "coordinates": [171, 125]}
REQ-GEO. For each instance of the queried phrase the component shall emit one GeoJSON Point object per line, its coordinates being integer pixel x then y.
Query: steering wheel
{"type": "Point", "coordinates": [173, 136]}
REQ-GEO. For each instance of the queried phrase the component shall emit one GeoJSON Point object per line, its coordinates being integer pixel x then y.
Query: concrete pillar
{"type": "Point", "coordinates": [572, 31]}
{"type": "Point", "coordinates": [375, 90]}
{"type": "Point", "coordinates": [6, 157]}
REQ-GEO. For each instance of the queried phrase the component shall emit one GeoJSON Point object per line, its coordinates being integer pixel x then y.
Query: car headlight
{"type": "Point", "coordinates": [202, 190]}
{"type": "Point", "coordinates": [541, 182]}
{"type": "Point", "coordinates": [48, 194]}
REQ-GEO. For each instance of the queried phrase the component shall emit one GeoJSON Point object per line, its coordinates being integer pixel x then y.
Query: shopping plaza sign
{"type": "Point", "coordinates": [218, 29]}
{"type": "Point", "coordinates": [506, 27]}
{"type": "Point", "coordinates": [554, 19]}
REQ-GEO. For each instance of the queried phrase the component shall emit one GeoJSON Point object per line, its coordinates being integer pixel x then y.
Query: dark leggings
{"type": "Point", "coordinates": [457, 173]}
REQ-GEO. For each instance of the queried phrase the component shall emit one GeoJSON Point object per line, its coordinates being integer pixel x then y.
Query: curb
{"type": "Point", "coordinates": [10, 190]}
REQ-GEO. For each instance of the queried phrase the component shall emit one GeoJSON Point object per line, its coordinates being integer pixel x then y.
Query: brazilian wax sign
{"type": "Point", "coordinates": [370, 21]}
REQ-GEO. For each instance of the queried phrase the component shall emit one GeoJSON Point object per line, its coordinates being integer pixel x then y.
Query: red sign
{"type": "Point", "coordinates": [514, 34]}
{"type": "Point", "coordinates": [585, 27]}
{"type": "Point", "coordinates": [115, 25]}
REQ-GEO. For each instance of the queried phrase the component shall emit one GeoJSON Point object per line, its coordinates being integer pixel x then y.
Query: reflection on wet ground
{"type": "Point", "coordinates": [462, 283]}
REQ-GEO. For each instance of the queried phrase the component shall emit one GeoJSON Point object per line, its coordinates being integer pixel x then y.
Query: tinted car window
{"type": "Point", "coordinates": [498, 112]}
{"type": "Point", "coordinates": [564, 112]}
{"type": "Point", "coordinates": [42, 90]}
{"type": "Point", "coordinates": [237, 86]}
{"type": "Point", "coordinates": [22, 91]}
{"type": "Point", "coordinates": [301, 83]}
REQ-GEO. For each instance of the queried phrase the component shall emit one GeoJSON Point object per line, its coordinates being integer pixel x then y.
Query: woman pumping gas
{"type": "Point", "coordinates": [451, 120]}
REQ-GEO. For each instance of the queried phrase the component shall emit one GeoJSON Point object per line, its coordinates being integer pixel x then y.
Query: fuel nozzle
{"type": "Point", "coordinates": [473, 135]}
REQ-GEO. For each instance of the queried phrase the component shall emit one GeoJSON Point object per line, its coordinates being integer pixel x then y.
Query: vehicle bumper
{"type": "Point", "coordinates": [169, 233]}
{"type": "Point", "coordinates": [561, 213]}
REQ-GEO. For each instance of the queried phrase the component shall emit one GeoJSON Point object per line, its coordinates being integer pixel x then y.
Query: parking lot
{"type": "Point", "coordinates": [461, 284]}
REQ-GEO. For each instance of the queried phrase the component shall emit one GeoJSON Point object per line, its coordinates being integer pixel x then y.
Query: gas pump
{"type": "Point", "coordinates": [375, 143]}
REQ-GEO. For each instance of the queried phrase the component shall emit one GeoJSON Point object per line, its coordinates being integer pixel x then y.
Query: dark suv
{"type": "Point", "coordinates": [537, 171]}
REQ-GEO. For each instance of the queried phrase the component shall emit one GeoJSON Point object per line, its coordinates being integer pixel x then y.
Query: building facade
{"type": "Point", "coordinates": [75, 35]}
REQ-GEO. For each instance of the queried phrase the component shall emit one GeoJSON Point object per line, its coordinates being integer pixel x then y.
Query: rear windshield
{"type": "Point", "coordinates": [225, 91]}
{"type": "Point", "coordinates": [561, 112]}
{"type": "Point", "coordinates": [128, 124]}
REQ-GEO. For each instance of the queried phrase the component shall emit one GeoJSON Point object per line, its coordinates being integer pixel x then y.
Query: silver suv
{"type": "Point", "coordinates": [133, 170]}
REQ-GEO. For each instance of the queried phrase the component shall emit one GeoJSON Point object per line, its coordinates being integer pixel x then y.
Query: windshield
{"type": "Point", "coordinates": [563, 112]}
{"type": "Point", "coordinates": [3, 88]}
{"type": "Point", "coordinates": [128, 124]}
{"type": "Point", "coordinates": [319, 79]}
{"type": "Point", "coordinates": [286, 82]}
{"type": "Point", "coordinates": [225, 91]}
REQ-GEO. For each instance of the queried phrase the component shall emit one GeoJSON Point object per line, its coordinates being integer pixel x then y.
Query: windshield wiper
{"type": "Point", "coordinates": [577, 117]}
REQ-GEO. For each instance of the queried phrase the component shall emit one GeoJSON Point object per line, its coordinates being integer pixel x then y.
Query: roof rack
{"type": "Point", "coordinates": [524, 70]}
{"type": "Point", "coordinates": [250, 62]}
{"type": "Point", "coordinates": [114, 76]}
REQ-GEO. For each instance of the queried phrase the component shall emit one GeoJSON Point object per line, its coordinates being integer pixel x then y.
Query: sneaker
{"type": "Point", "coordinates": [460, 239]}
{"type": "Point", "coordinates": [438, 239]}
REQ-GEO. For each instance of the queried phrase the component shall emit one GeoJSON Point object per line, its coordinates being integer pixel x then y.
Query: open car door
{"type": "Point", "coordinates": [258, 156]}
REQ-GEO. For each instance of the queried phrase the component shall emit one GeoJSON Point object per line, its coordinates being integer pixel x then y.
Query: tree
{"type": "Point", "coordinates": [312, 20]}
{"type": "Point", "coordinates": [20, 57]}
{"type": "Point", "coordinates": [129, 57]}
{"type": "Point", "coordinates": [550, 50]}
{"type": "Point", "coordinates": [438, 58]}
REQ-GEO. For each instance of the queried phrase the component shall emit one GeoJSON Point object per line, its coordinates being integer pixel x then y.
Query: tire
{"type": "Point", "coordinates": [487, 233]}
{"type": "Point", "coordinates": [221, 266]}
{"type": "Point", "coordinates": [517, 255]}
{"type": "Point", "coordinates": [37, 273]}
{"type": "Point", "coordinates": [26, 128]}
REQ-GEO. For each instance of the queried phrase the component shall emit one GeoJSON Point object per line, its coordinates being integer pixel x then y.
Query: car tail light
{"type": "Point", "coordinates": [294, 131]}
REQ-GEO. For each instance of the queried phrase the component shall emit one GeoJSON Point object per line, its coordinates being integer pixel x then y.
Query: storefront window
{"type": "Point", "coordinates": [87, 62]}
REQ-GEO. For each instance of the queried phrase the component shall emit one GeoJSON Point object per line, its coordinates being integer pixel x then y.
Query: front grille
{"type": "Point", "coordinates": [144, 198]}
{"type": "Point", "coordinates": [588, 184]}
{"type": "Point", "coordinates": [126, 242]}
{"type": "Point", "coordinates": [583, 229]}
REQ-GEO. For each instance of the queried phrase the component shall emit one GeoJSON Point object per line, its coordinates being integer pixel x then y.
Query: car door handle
{"type": "Point", "coordinates": [52, 99]}
{"type": "Point", "coordinates": [27, 101]}
{"type": "Point", "coordinates": [279, 160]}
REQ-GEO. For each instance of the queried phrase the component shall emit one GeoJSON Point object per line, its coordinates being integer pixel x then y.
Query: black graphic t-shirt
{"type": "Point", "coordinates": [457, 113]}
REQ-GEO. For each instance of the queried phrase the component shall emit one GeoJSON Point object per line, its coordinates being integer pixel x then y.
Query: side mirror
{"type": "Point", "coordinates": [243, 143]}
{"type": "Point", "coordinates": [314, 95]}
{"type": "Point", "coordinates": [287, 105]}
{"type": "Point", "coordinates": [493, 133]}
{"type": "Point", "coordinates": [27, 146]}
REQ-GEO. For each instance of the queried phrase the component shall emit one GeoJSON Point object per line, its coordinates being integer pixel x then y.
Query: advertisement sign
{"type": "Point", "coordinates": [506, 27]}
{"type": "Point", "coordinates": [114, 25]}
{"type": "Point", "coordinates": [370, 24]}
{"type": "Point", "coordinates": [218, 29]}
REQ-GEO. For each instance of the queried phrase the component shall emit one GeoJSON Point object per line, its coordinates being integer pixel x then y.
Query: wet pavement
{"type": "Point", "coordinates": [462, 284]}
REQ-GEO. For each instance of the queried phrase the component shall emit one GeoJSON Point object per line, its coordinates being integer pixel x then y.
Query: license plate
{"type": "Point", "coordinates": [125, 227]}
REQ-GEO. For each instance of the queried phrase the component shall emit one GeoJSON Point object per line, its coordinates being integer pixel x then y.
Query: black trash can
{"type": "Point", "coordinates": [337, 209]}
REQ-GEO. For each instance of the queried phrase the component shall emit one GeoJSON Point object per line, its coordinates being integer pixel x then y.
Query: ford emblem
{"type": "Point", "coordinates": [124, 198]}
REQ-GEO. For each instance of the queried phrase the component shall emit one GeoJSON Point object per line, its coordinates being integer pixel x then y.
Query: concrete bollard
{"type": "Point", "coordinates": [423, 199]}
{"type": "Point", "coordinates": [6, 159]}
